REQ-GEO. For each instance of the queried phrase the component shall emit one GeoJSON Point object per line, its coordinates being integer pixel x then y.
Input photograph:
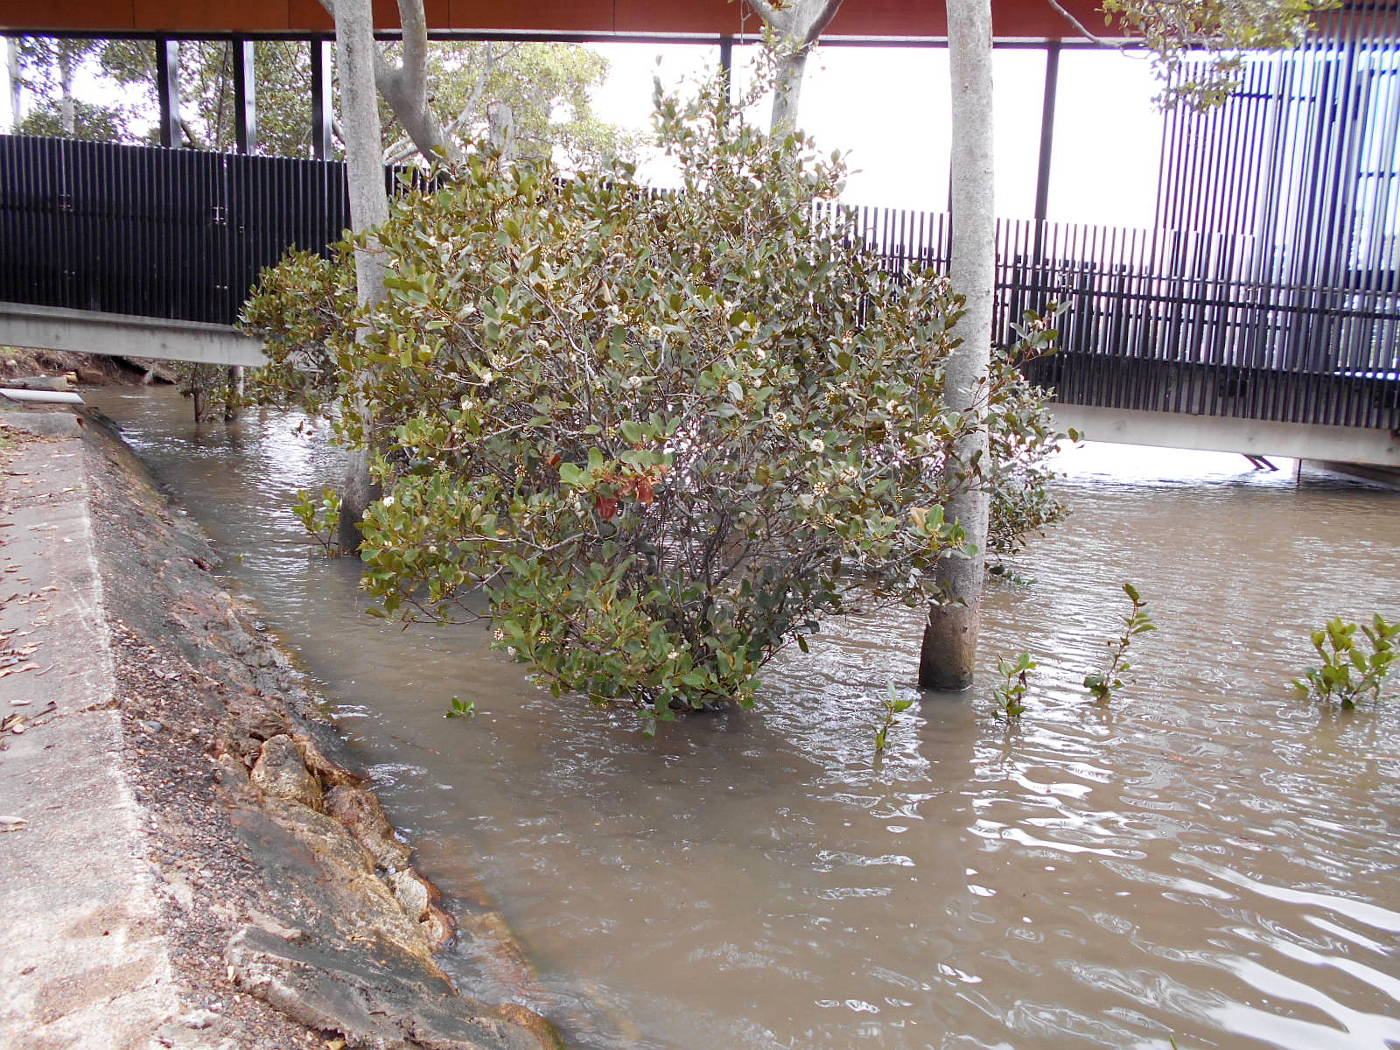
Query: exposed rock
{"type": "Point", "coordinates": [412, 892]}
{"type": "Point", "coordinates": [373, 1003]}
{"type": "Point", "coordinates": [539, 1027]}
{"type": "Point", "coordinates": [276, 927]}
{"type": "Point", "coordinates": [360, 811]}
{"type": "Point", "coordinates": [199, 1019]}
{"type": "Point", "coordinates": [281, 772]}
{"type": "Point", "coordinates": [419, 898]}
{"type": "Point", "coordinates": [330, 773]}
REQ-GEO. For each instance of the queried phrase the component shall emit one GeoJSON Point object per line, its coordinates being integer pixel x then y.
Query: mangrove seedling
{"type": "Point", "coordinates": [1010, 696]}
{"type": "Point", "coordinates": [459, 708]}
{"type": "Point", "coordinates": [1102, 685]}
{"type": "Point", "coordinates": [893, 706]}
{"type": "Point", "coordinates": [1349, 673]}
{"type": "Point", "coordinates": [320, 517]}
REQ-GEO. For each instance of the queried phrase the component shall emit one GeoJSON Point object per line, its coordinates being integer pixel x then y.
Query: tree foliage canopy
{"type": "Point", "coordinates": [1197, 46]}
{"type": "Point", "coordinates": [655, 438]}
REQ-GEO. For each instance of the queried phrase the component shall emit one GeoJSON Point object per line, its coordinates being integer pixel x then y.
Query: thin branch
{"type": "Point", "coordinates": [1089, 34]}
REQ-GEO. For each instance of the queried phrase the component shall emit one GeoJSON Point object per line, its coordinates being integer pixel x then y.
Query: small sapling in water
{"type": "Point", "coordinates": [1010, 696]}
{"type": "Point", "coordinates": [1349, 673]}
{"type": "Point", "coordinates": [460, 708]}
{"type": "Point", "coordinates": [1102, 685]}
{"type": "Point", "coordinates": [892, 706]}
{"type": "Point", "coordinates": [320, 517]}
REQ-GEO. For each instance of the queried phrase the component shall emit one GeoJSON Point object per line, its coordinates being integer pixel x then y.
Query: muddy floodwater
{"type": "Point", "coordinates": [1207, 859]}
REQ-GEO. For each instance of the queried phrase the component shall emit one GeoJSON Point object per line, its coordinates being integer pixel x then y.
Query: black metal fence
{"type": "Point", "coordinates": [155, 232]}
{"type": "Point", "coordinates": [1165, 320]}
{"type": "Point", "coordinates": [1180, 320]}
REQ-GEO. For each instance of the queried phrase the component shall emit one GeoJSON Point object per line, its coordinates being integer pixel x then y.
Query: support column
{"type": "Point", "coordinates": [168, 90]}
{"type": "Point", "coordinates": [726, 64]}
{"type": "Point", "coordinates": [1047, 101]}
{"type": "Point", "coordinates": [322, 111]}
{"type": "Point", "coordinates": [245, 97]}
{"type": "Point", "coordinates": [1047, 131]}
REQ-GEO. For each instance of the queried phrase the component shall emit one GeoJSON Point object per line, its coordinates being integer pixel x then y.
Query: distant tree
{"type": "Point", "coordinates": [46, 69]}
{"type": "Point", "coordinates": [543, 87]}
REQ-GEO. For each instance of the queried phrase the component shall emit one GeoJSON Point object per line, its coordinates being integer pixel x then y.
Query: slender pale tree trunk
{"type": "Point", "coordinates": [797, 24]}
{"type": "Point", "coordinates": [67, 107]}
{"type": "Point", "coordinates": [500, 129]}
{"type": "Point", "coordinates": [787, 92]}
{"type": "Point", "coordinates": [950, 638]}
{"type": "Point", "coordinates": [355, 52]}
{"type": "Point", "coordinates": [16, 88]}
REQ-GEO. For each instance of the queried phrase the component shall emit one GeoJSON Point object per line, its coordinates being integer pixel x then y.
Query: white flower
{"type": "Point", "coordinates": [653, 332]}
{"type": "Point", "coordinates": [388, 501]}
{"type": "Point", "coordinates": [817, 445]}
{"type": "Point", "coordinates": [673, 655]}
{"type": "Point", "coordinates": [634, 382]}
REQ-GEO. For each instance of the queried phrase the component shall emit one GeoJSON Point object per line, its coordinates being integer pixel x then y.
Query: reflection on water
{"type": "Point", "coordinates": [1208, 859]}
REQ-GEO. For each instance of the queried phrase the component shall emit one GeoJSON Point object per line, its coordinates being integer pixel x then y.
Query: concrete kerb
{"type": "Point", "coordinates": [82, 957]}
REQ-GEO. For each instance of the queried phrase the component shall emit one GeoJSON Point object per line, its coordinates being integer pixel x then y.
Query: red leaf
{"type": "Point", "coordinates": [607, 507]}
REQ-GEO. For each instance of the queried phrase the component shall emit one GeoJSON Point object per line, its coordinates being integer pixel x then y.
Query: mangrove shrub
{"type": "Point", "coordinates": [655, 438]}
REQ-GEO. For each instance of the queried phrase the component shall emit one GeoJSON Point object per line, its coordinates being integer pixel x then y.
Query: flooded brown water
{"type": "Point", "coordinates": [1207, 859]}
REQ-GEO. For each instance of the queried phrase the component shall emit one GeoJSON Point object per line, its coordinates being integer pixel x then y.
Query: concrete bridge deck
{"type": "Point", "coordinates": [123, 335]}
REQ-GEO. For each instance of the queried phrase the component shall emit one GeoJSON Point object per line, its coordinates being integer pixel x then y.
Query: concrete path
{"type": "Point", "coordinates": [82, 960]}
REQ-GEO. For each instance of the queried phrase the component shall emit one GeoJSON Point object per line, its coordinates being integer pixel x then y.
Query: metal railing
{"type": "Point", "coordinates": [1183, 321]}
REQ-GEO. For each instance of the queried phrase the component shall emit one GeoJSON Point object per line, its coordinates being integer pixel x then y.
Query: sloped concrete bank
{"type": "Point", "coordinates": [185, 860]}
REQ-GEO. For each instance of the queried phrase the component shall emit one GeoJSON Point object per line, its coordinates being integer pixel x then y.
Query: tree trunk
{"type": "Point", "coordinates": [787, 93]}
{"type": "Point", "coordinates": [369, 205]}
{"type": "Point", "coordinates": [237, 390]}
{"type": "Point", "coordinates": [405, 87]}
{"type": "Point", "coordinates": [500, 129]}
{"type": "Point", "coordinates": [66, 106]}
{"type": "Point", "coordinates": [798, 24]}
{"type": "Point", "coordinates": [16, 89]}
{"type": "Point", "coordinates": [950, 638]}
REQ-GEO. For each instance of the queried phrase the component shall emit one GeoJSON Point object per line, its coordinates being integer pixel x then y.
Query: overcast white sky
{"type": "Point", "coordinates": [887, 108]}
